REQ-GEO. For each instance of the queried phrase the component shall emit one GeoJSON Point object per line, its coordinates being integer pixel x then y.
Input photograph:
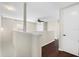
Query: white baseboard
{"type": "Point", "coordinates": [60, 49]}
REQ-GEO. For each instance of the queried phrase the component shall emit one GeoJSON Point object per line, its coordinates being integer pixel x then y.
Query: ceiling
{"type": "Point", "coordinates": [35, 10]}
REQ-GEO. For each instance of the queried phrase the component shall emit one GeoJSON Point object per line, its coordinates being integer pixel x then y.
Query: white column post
{"type": "Point", "coordinates": [24, 24]}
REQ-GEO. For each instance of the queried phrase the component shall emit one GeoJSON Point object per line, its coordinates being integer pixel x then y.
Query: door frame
{"type": "Point", "coordinates": [61, 23]}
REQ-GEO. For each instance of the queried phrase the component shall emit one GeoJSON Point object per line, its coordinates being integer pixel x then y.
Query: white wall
{"type": "Point", "coordinates": [39, 26]}
{"type": "Point", "coordinates": [12, 24]}
{"type": "Point", "coordinates": [31, 27]}
{"type": "Point", "coordinates": [46, 38]}
{"type": "Point", "coordinates": [54, 26]}
{"type": "Point", "coordinates": [7, 47]}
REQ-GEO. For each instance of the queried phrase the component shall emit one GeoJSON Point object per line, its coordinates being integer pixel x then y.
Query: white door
{"type": "Point", "coordinates": [70, 35]}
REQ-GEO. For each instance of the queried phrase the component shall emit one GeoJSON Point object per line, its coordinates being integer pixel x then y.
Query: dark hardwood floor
{"type": "Point", "coordinates": [51, 50]}
{"type": "Point", "coordinates": [65, 54]}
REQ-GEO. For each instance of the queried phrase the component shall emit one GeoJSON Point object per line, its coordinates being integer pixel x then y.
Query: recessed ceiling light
{"type": "Point", "coordinates": [10, 8]}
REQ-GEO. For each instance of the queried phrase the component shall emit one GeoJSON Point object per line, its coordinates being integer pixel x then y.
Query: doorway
{"type": "Point", "coordinates": [69, 29]}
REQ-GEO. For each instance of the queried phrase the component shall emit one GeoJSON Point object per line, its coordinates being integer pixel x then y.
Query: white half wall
{"type": "Point", "coordinates": [23, 44]}
{"type": "Point", "coordinates": [26, 44]}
